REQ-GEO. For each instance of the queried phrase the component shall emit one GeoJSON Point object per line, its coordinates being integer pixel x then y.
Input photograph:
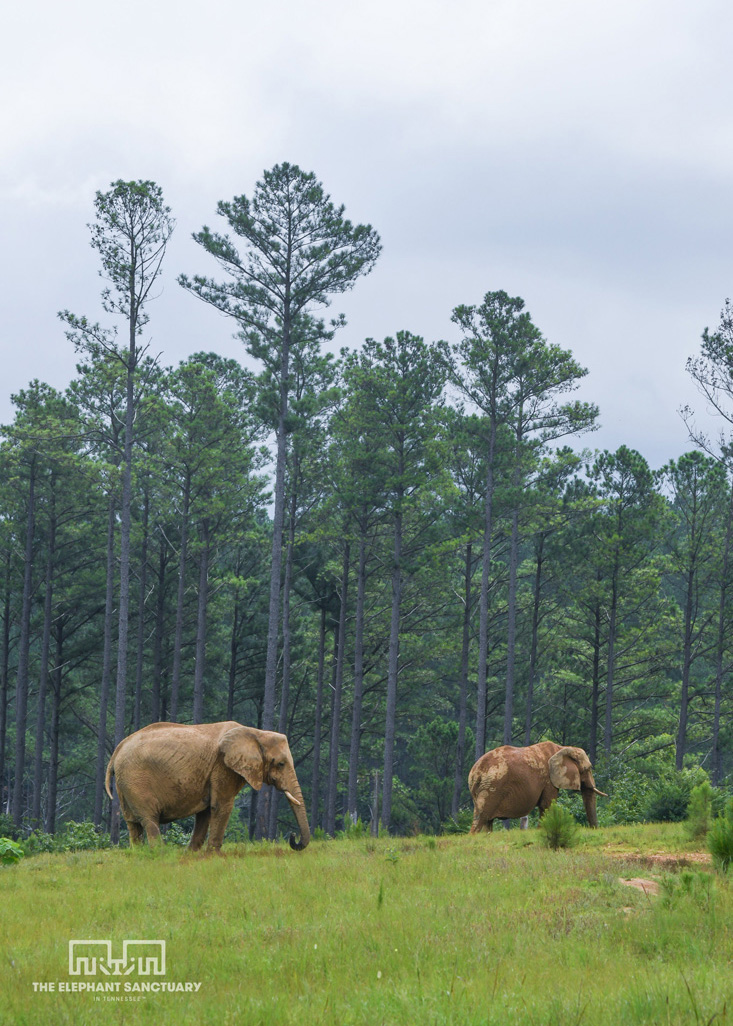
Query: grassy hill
{"type": "Point", "coordinates": [490, 929]}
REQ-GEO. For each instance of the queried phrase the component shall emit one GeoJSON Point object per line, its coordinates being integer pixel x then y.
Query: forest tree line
{"type": "Point", "coordinates": [400, 557]}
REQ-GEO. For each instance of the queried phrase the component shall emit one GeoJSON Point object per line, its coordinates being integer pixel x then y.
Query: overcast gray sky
{"type": "Point", "coordinates": [575, 153]}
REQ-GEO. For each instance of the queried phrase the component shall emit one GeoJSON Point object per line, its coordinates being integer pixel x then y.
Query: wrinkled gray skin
{"type": "Point", "coordinates": [508, 782]}
{"type": "Point", "coordinates": [169, 771]}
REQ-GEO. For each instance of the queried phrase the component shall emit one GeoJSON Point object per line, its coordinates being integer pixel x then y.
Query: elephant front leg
{"type": "Point", "coordinates": [200, 829]}
{"type": "Point", "coordinates": [220, 813]}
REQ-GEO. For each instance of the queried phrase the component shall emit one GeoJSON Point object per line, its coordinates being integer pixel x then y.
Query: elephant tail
{"type": "Point", "coordinates": [108, 777]}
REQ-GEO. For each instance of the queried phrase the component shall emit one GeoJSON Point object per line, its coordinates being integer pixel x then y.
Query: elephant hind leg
{"type": "Point", "coordinates": [135, 831]}
{"type": "Point", "coordinates": [200, 829]}
{"type": "Point", "coordinates": [152, 831]}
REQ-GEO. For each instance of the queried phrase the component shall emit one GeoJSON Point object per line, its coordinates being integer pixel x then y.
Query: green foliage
{"type": "Point", "coordinates": [670, 795]}
{"type": "Point", "coordinates": [558, 828]}
{"type": "Point", "coordinates": [690, 884]}
{"type": "Point", "coordinates": [10, 852]}
{"type": "Point", "coordinates": [7, 827]}
{"type": "Point", "coordinates": [354, 831]}
{"type": "Point", "coordinates": [73, 837]}
{"type": "Point", "coordinates": [699, 811]}
{"type": "Point", "coordinates": [458, 824]}
{"type": "Point", "coordinates": [177, 834]}
{"type": "Point", "coordinates": [720, 840]}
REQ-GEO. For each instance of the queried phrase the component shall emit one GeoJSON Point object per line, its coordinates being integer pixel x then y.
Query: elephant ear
{"type": "Point", "coordinates": [241, 752]}
{"type": "Point", "coordinates": [564, 769]}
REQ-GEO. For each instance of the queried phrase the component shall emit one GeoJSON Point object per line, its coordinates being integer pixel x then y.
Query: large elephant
{"type": "Point", "coordinates": [509, 782]}
{"type": "Point", "coordinates": [168, 771]}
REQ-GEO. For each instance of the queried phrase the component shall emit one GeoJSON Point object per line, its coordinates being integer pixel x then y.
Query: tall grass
{"type": "Point", "coordinates": [466, 930]}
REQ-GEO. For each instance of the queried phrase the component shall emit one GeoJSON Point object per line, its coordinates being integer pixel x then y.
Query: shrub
{"type": "Point", "coordinates": [176, 834]}
{"type": "Point", "coordinates": [460, 823]}
{"type": "Point", "coordinates": [81, 837]}
{"type": "Point", "coordinates": [7, 828]}
{"type": "Point", "coordinates": [669, 799]}
{"type": "Point", "coordinates": [39, 841]}
{"type": "Point", "coordinates": [73, 837]}
{"type": "Point", "coordinates": [720, 840]}
{"type": "Point", "coordinates": [699, 811]}
{"type": "Point", "coordinates": [10, 852]}
{"type": "Point", "coordinates": [353, 831]}
{"type": "Point", "coordinates": [558, 828]}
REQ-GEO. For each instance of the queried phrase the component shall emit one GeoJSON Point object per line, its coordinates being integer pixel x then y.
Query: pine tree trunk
{"type": "Point", "coordinates": [338, 690]}
{"type": "Point", "coordinates": [681, 740]}
{"type": "Point", "coordinates": [203, 600]}
{"type": "Point", "coordinates": [21, 687]}
{"type": "Point", "coordinates": [233, 654]}
{"type": "Point", "coordinates": [533, 645]}
{"type": "Point", "coordinates": [282, 724]}
{"type": "Point", "coordinates": [157, 711]}
{"type": "Point", "coordinates": [717, 768]}
{"type": "Point", "coordinates": [459, 780]}
{"type": "Point", "coordinates": [273, 624]}
{"type": "Point", "coordinates": [124, 608]}
{"type": "Point", "coordinates": [593, 744]}
{"type": "Point", "coordinates": [512, 594]}
{"type": "Point", "coordinates": [611, 666]}
{"type": "Point", "coordinates": [53, 759]}
{"type": "Point", "coordinates": [483, 629]}
{"type": "Point", "coordinates": [137, 715]}
{"type": "Point", "coordinates": [4, 677]}
{"type": "Point", "coordinates": [393, 668]}
{"type": "Point", "coordinates": [43, 675]}
{"type": "Point", "coordinates": [178, 646]}
{"type": "Point", "coordinates": [511, 628]}
{"type": "Point", "coordinates": [101, 766]}
{"type": "Point", "coordinates": [316, 776]}
{"type": "Point", "coordinates": [352, 793]}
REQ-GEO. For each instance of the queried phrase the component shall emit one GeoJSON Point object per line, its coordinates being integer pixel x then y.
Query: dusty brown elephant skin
{"type": "Point", "coordinates": [168, 771]}
{"type": "Point", "coordinates": [509, 782]}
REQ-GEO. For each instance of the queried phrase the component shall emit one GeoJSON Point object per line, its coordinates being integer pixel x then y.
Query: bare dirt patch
{"type": "Point", "coordinates": [646, 886]}
{"type": "Point", "coordinates": [663, 860]}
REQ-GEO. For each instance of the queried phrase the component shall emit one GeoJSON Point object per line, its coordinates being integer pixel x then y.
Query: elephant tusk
{"type": "Point", "coordinates": [601, 793]}
{"type": "Point", "coordinates": [293, 801]}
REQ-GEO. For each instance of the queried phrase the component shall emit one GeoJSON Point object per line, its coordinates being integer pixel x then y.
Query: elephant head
{"type": "Point", "coordinates": [570, 770]}
{"type": "Point", "coordinates": [263, 757]}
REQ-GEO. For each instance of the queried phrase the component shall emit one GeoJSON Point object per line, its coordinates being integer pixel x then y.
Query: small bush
{"type": "Point", "coordinates": [353, 831]}
{"type": "Point", "coordinates": [176, 834]}
{"type": "Point", "coordinates": [699, 811]}
{"type": "Point", "coordinates": [7, 828]}
{"type": "Point", "coordinates": [460, 823]}
{"type": "Point", "coordinates": [669, 799]}
{"type": "Point", "coordinates": [720, 840]}
{"type": "Point", "coordinates": [39, 841]}
{"type": "Point", "coordinates": [558, 828]}
{"type": "Point", "coordinates": [81, 837]}
{"type": "Point", "coordinates": [10, 852]}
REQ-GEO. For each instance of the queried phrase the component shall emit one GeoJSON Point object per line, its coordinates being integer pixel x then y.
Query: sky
{"type": "Point", "coordinates": [576, 154]}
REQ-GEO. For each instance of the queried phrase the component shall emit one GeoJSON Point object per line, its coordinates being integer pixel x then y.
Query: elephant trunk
{"type": "Point", "coordinates": [295, 797]}
{"type": "Point", "coordinates": [589, 800]}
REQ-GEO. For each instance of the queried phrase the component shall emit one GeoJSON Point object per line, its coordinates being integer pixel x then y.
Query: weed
{"type": "Point", "coordinates": [558, 828]}
{"type": "Point", "coordinates": [10, 852]}
{"type": "Point", "coordinates": [699, 811]}
{"type": "Point", "coordinates": [720, 840]}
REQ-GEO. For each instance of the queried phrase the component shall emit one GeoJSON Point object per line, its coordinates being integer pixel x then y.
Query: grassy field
{"type": "Point", "coordinates": [490, 929]}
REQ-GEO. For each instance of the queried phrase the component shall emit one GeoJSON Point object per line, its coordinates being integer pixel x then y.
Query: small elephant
{"type": "Point", "coordinates": [168, 771]}
{"type": "Point", "coordinates": [509, 782]}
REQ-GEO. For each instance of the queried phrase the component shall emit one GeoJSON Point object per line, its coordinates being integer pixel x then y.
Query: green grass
{"type": "Point", "coordinates": [493, 929]}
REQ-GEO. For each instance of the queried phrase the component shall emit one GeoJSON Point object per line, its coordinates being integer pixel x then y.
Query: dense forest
{"type": "Point", "coordinates": [400, 557]}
